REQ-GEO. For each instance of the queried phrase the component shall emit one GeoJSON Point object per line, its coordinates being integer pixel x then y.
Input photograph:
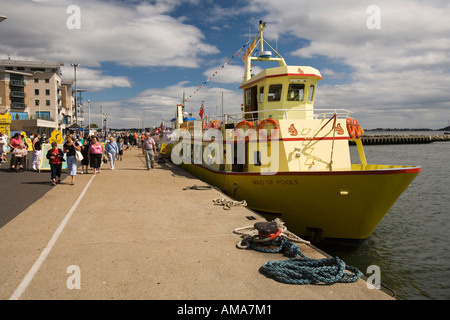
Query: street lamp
{"type": "Point", "coordinates": [103, 121]}
{"type": "Point", "coordinates": [89, 117]}
{"type": "Point", "coordinates": [75, 65]}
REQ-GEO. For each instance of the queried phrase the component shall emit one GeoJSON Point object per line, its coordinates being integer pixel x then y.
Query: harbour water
{"type": "Point", "coordinates": [410, 245]}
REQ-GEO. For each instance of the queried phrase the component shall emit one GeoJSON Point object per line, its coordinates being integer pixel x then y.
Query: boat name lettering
{"type": "Point", "coordinates": [270, 182]}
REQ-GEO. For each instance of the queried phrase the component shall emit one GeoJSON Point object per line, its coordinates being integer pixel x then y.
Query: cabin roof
{"type": "Point", "coordinates": [291, 71]}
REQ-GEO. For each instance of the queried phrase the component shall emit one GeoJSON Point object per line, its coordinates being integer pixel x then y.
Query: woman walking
{"type": "Point", "coordinates": [111, 151]}
{"type": "Point", "coordinates": [84, 152]}
{"type": "Point", "coordinates": [95, 154]}
{"type": "Point", "coordinates": [55, 157]}
{"type": "Point", "coordinates": [36, 162]}
{"type": "Point", "coordinates": [69, 148]}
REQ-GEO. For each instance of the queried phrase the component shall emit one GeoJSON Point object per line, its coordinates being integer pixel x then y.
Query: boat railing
{"type": "Point", "coordinates": [279, 114]}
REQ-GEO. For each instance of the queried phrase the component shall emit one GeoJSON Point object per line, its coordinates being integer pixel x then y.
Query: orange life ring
{"type": "Point", "coordinates": [275, 127]}
{"type": "Point", "coordinates": [350, 128]}
{"type": "Point", "coordinates": [357, 129]}
{"type": "Point", "coordinates": [242, 123]}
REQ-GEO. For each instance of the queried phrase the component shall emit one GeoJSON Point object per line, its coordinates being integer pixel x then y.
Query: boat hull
{"type": "Point", "coordinates": [337, 206]}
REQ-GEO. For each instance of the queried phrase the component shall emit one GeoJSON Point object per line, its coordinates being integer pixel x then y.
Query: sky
{"type": "Point", "coordinates": [387, 61]}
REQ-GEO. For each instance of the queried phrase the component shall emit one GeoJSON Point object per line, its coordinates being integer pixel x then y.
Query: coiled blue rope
{"type": "Point", "coordinates": [304, 270]}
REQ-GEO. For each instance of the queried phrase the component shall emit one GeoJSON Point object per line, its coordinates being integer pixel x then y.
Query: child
{"type": "Point", "coordinates": [55, 157]}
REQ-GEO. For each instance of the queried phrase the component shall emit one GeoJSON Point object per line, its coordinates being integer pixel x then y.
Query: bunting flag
{"type": "Point", "coordinates": [225, 64]}
{"type": "Point", "coordinates": [250, 49]}
{"type": "Point", "coordinates": [202, 110]}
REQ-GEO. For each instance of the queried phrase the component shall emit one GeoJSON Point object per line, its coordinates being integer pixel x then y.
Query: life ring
{"type": "Point", "coordinates": [249, 125]}
{"type": "Point", "coordinates": [351, 128]}
{"type": "Point", "coordinates": [275, 125]}
{"type": "Point", "coordinates": [357, 129]}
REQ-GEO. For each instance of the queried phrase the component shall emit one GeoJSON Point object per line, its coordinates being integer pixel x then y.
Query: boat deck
{"type": "Point", "coordinates": [136, 234]}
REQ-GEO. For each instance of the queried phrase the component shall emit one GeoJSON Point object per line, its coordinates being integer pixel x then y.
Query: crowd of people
{"type": "Point", "coordinates": [89, 152]}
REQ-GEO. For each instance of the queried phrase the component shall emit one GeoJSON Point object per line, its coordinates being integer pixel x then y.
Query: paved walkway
{"type": "Point", "coordinates": [136, 234]}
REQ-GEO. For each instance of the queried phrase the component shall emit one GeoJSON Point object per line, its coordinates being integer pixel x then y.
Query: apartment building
{"type": "Point", "coordinates": [35, 96]}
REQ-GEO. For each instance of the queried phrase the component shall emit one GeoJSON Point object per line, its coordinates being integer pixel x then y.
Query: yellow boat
{"type": "Point", "coordinates": [288, 160]}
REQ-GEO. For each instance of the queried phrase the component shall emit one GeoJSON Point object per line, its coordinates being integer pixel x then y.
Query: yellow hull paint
{"type": "Point", "coordinates": [346, 205]}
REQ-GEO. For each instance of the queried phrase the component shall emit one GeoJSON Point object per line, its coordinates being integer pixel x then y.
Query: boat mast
{"type": "Point", "coordinates": [263, 55]}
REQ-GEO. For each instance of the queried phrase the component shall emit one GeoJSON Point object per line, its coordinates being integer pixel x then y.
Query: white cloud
{"type": "Point", "coordinates": [93, 79]}
{"type": "Point", "coordinates": [136, 34]}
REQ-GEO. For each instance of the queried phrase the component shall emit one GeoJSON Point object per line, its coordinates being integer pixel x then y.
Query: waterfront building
{"type": "Point", "coordinates": [35, 96]}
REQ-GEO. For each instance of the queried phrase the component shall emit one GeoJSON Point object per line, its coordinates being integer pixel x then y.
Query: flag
{"type": "Point", "coordinates": [250, 49]}
{"type": "Point", "coordinates": [202, 110]}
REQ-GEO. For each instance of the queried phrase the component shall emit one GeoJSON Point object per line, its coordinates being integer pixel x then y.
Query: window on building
{"type": "Point", "coordinates": [36, 92]}
{"type": "Point", "coordinates": [311, 94]}
{"type": "Point", "coordinates": [47, 102]}
{"type": "Point", "coordinates": [36, 102]}
{"type": "Point", "coordinates": [42, 114]}
{"type": "Point", "coordinates": [19, 115]}
{"type": "Point", "coordinates": [36, 80]}
{"type": "Point", "coordinates": [47, 92]}
{"type": "Point", "coordinates": [296, 92]}
{"type": "Point", "coordinates": [274, 93]}
{"type": "Point", "coordinates": [47, 80]}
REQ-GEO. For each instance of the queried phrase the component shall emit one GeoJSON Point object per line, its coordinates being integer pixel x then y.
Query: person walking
{"type": "Point", "coordinates": [36, 160]}
{"type": "Point", "coordinates": [3, 144]}
{"type": "Point", "coordinates": [15, 141]}
{"type": "Point", "coordinates": [95, 154]}
{"type": "Point", "coordinates": [111, 151]}
{"type": "Point", "coordinates": [120, 146]}
{"type": "Point", "coordinates": [142, 143]}
{"type": "Point", "coordinates": [56, 158]}
{"type": "Point", "coordinates": [70, 147]}
{"type": "Point", "coordinates": [149, 147]}
{"type": "Point", "coordinates": [84, 152]}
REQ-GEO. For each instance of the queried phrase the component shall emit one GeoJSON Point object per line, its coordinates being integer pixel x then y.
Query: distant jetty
{"type": "Point", "coordinates": [402, 139]}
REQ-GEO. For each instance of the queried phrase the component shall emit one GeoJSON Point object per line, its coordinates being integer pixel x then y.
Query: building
{"type": "Point", "coordinates": [35, 96]}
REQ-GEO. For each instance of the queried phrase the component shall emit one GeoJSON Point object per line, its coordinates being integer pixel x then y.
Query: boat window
{"type": "Point", "coordinates": [261, 94]}
{"type": "Point", "coordinates": [274, 92]}
{"type": "Point", "coordinates": [311, 93]}
{"type": "Point", "coordinates": [248, 96]}
{"type": "Point", "coordinates": [295, 92]}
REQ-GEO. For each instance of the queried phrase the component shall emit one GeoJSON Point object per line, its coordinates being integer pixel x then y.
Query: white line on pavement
{"type": "Point", "coordinates": [34, 269]}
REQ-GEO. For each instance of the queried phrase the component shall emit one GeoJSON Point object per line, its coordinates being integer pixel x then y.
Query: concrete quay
{"type": "Point", "coordinates": [133, 234]}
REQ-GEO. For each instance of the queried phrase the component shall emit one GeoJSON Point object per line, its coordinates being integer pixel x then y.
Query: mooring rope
{"type": "Point", "coordinates": [251, 235]}
{"type": "Point", "coordinates": [299, 270]}
{"type": "Point", "coordinates": [228, 204]}
{"type": "Point", "coordinates": [196, 187]}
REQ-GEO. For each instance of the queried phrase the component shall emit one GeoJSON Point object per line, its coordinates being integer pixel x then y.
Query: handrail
{"type": "Point", "coordinates": [287, 114]}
